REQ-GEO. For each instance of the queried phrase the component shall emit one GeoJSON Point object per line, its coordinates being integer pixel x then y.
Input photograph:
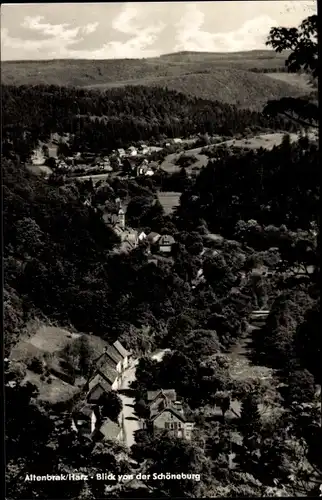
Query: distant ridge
{"type": "Point", "coordinates": [222, 76]}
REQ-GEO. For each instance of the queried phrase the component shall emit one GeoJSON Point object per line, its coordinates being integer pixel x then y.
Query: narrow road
{"type": "Point", "coordinates": [129, 421]}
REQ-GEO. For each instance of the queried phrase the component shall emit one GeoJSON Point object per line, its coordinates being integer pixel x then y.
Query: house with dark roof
{"type": "Point", "coordinates": [97, 387]}
{"type": "Point", "coordinates": [165, 243]}
{"type": "Point", "coordinates": [166, 413]}
{"type": "Point", "coordinates": [124, 353]}
{"type": "Point", "coordinates": [84, 420]}
{"type": "Point", "coordinates": [107, 369]}
{"type": "Point", "coordinates": [157, 400]}
{"type": "Point", "coordinates": [173, 419]}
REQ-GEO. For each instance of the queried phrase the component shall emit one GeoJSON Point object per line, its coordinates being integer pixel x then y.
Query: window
{"type": "Point", "coordinates": [166, 425]}
{"type": "Point", "coordinates": [179, 425]}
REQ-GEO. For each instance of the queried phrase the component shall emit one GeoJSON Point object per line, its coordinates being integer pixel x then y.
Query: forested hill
{"type": "Point", "coordinates": [224, 77]}
{"type": "Point", "coordinates": [121, 116]}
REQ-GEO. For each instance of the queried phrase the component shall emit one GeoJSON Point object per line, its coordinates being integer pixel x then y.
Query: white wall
{"type": "Point", "coordinates": [93, 422]}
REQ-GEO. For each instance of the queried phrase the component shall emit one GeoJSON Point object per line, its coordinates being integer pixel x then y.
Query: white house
{"type": "Point", "coordinates": [142, 236]}
{"type": "Point", "coordinates": [120, 152]}
{"type": "Point", "coordinates": [124, 353]}
{"type": "Point", "coordinates": [144, 149]}
{"type": "Point", "coordinates": [38, 158]}
{"type": "Point", "coordinates": [132, 151]}
{"type": "Point", "coordinates": [84, 420]}
{"type": "Point", "coordinates": [165, 243]}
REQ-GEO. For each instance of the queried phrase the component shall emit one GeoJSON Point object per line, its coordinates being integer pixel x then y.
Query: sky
{"type": "Point", "coordinates": [138, 30]}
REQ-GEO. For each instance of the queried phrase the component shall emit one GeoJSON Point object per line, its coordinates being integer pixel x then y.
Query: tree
{"type": "Point", "coordinates": [166, 454]}
{"type": "Point", "coordinates": [299, 387]}
{"type": "Point", "coordinates": [303, 44]}
{"type": "Point", "coordinates": [78, 355]}
{"type": "Point", "coordinates": [111, 405]}
{"type": "Point", "coordinates": [307, 342]}
{"type": "Point", "coordinates": [223, 400]}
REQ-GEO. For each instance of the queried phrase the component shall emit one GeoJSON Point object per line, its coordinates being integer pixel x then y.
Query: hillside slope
{"type": "Point", "coordinates": [225, 77]}
{"type": "Point", "coordinates": [233, 86]}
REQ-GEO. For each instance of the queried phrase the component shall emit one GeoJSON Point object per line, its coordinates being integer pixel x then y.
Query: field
{"type": "Point", "coordinates": [45, 340]}
{"type": "Point", "coordinates": [267, 141]}
{"type": "Point", "coordinates": [169, 200]}
{"type": "Point", "coordinates": [223, 77]}
{"type": "Point", "coordinates": [302, 82]}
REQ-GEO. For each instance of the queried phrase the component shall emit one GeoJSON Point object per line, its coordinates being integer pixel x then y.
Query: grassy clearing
{"type": "Point", "coordinates": [266, 141]}
{"type": "Point", "coordinates": [302, 82]}
{"type": "Point", "coordinates": [54, 392]}
{"type": "Point", "coordinates": [169, 200]}
{"type": "Point", "coordinates": [43, 340]}
{"type": "Point", "coordinates": [39, 169]}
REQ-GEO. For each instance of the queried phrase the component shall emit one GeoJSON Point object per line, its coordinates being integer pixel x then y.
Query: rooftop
{"type": "Point", "coordinates": [108, 372]}
{"type": "Point", "coordinates": [169, 393]}
{"type": "Point", "coordinates": [85, 411]}
{"type": "Point", "coordinates": [99, 380]}
{"type": "Point", "coordinates": [110, 430]}
{"type": "Point", "coordinates": [122, 351]}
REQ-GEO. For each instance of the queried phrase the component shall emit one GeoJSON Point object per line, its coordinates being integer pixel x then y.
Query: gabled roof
{"type": "Point", "coordinates": [153, 237]}
{"type": "Point", "coordinates": [113, 354]}
{"type": "Point", "coordinates": [110, 430]}
{"type": "Point", "coordinates": [168, 393]}
{"type": "Point", "coordinates": [98, 380]}
{"type": "Point", "coordinates": [86, 411]}
{"type": "Point", "coordinates": [120, 349]}
{"type": "Point", "coordinates": [108, 373]}
{"type": "Point", "coordinates": [172, 410]}
{"type": "Point", "coordinates": [103, 388]}
{"type": "Point", "coordinates": [166, 239]}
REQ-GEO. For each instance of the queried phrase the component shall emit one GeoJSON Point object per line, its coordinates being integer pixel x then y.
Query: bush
{"type": "Point", "coordinates": [36, 366]}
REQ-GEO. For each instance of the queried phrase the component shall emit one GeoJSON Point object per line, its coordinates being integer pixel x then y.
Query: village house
{"type": "Point", "coordinates": [126, 355]}
{"type": "Point", "coordinates": [98, 386]}
{"type": "Point", "coordinates": [153, 239]}
{"type": "Point", "coordinates": [84, 420]}
{"type": "Point", "coordinates": [166, 413]}
{"type": "Point", "coordinates": [38, 157]}
{"type": "Point", "coordinates": [120, 152]}
{"type": "Point", "coordinates": [132, 151]}
{"type": "Point", "coordinates": [144, 149]}
{"type": "Point", "coordinates": [165, 243]}
{"type": "Point", "coordinates": [87, 421]}
{"type": "Point", "coordinates": [145, 171]}
{"type": "Point", "coordinates": [114, 358]}
{"type": "Point", "coordinates": [142, 236]}
{"type": "Point", "coordinates": [106, 370]}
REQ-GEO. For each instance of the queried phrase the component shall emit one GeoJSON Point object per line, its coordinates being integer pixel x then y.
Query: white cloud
{"type": "Point", "coordinates": [252, 34]}
{"type": "Point", "coordinates": [124, 22]}
{"type": "Point", "coordinates": [90, 28]}
{"type": "Point", "coordinates": [60, 37]}
{"type": "Point", "coordinates": [142, 34]}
